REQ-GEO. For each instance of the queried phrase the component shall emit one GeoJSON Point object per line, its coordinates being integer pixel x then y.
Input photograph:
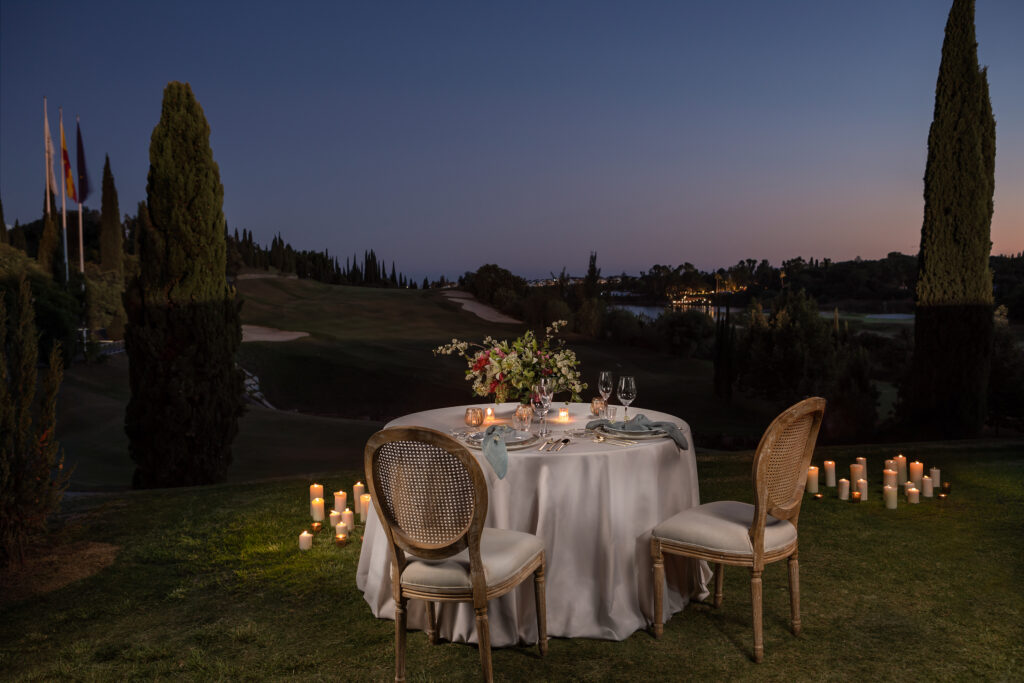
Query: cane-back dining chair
{"type": "Point", "coordinates": [431, 498]}
{"type": "Point", "coordinates": [730, 532]}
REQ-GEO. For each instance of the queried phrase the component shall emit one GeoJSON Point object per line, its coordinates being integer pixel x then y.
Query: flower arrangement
{"type": "Point", "coordinates": [508, 370]}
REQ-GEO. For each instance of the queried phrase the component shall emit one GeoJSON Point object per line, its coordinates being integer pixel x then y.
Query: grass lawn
{"type": "Point", "coordinates": [209, 583]}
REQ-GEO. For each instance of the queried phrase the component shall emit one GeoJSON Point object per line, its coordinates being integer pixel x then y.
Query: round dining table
{"type": "Point", "coordinates": [593, 505]}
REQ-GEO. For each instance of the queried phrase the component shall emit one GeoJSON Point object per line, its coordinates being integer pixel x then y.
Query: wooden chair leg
{"type": "Point", "coordinates": [431, 623]}
{"type": "Point", "coordinates": [659, 586]}
{"type": "Point", "coordinates": [794, 592]}
{"type": "Point", "coordinates": [401, 607]}
{"type": "Point", "coordinates": [540, 598]}
{"type": "Point", "coordinates": [755, 598]}
{"type": "Point", "coordinates": [483, 635]}
{"type": "Point", "coordinates": [719, 580]}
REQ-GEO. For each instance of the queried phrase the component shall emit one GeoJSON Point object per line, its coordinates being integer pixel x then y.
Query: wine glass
{"type": "Point", "coordinates": [605, 384]}
{"type": "Point", "coordinates": [627, 393]}
{"type": "Point", "coordinates": [540, 397]}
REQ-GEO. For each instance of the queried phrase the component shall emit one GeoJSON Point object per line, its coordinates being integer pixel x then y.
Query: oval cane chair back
{"type": "Point", "coordinates": [428, 489]}
{"type": "Point", "coordinates": [782, 459]}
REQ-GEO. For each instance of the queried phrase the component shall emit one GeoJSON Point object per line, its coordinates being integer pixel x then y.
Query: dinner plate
{"type": "Point", "coordinates": [653, 434]}
{"type": "Point", "coordinates": [513, 440]}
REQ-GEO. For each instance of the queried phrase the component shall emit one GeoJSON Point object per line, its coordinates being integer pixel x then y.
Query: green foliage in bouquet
{"type": "Point", "coordinates": [508, 370]}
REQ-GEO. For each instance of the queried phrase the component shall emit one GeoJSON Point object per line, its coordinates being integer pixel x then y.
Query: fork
{"type": "Point", "coordinates": [546, 444]}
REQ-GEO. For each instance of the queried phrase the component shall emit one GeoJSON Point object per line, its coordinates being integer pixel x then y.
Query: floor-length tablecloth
{"type": "Point", "coordinates": [594, 506]}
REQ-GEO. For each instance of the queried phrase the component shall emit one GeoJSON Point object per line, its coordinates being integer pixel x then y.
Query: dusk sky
{"type": "Point", "coordinates": [446, 135]}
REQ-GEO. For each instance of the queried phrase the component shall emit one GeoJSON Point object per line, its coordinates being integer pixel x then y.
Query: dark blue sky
{"type": "Point", "coordinates": [445, 135]}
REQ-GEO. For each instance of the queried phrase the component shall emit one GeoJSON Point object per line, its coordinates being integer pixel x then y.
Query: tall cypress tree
{"type": "Point", "coordinates": [49, 243]}
{"type": "Point", "coordinates": [111, 232]}
{"type": "Point", "coordinates": [953, 321]}
{"type": "Point", "coordinates": [184, 327]}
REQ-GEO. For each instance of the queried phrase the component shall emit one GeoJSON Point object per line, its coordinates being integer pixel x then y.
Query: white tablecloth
{"type": "Point", "coordinates": [594, 506]}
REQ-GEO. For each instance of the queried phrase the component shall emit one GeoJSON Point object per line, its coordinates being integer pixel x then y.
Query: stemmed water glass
{"type": "Point", "coordinates": [605, 384]}
{"type": "Point", "coordinates": [540, 397]}
{"type": "Point", "coordinates": [627, 393]}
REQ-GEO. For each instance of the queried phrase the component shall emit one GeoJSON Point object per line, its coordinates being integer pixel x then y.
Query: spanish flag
{"type": "Point", "coordinates": [69, 179]}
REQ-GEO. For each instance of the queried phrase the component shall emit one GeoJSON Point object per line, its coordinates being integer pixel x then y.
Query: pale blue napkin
{"type": "Point", "coordinates": [641, 423]}
{"type": "Point", "coordinates": [493, 446]}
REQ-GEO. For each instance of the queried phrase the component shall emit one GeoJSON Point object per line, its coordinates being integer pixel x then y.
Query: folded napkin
{"type": "Point", "coordinates": [641, 423]}
{"type": "Point", "coordinates": [493, 446]}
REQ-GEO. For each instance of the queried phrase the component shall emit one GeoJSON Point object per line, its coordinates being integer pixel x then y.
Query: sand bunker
{"type": "Point", "coordinates": [253, 333]}
{"type": "Point", "coordinates": [488, 313]}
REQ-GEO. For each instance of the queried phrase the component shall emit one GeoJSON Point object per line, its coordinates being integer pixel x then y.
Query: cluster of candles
{"type": "Point", "coordinates": [476, 417]}
{"type": "Point", "coordinates": [341, 518]}
{"type": "Point", "coordinates": [916, 484]}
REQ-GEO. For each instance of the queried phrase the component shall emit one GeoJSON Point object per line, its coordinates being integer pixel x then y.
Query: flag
{"type": "Point", "coordinates": [83, 177]}
{"type": "Point", "coordinates": [51, 179]}
{"type": "Point", "coordinates": [69, 180]}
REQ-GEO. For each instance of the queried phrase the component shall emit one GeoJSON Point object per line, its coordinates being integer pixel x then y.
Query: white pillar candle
{"type": "Point", "coordinates": [812, 479]}
{"type": "Point", "coordinates": [936, 477]}
{"type": "Point", "coordinates": [913, 496]}
{"type": "Point", "coordinates": [340, 528]}
{"type": "Point", "coordinates": [316, 491]}
{"type": "Point", "coordinates": [863, 462]}
{"type": "Point", "coordinates": [856, 472]}
{"type": "Point", "coordinates": [889, 493]}
{"type": "Point", "coordinates": [926, 489]}
{"type": "Point", "coordinates": [305, 540]}
{"type": "Point", "coordinates": [316, 509]}
{"type": "Point", "coordinates": [364, 507]}
{"type": "Point", "coordinates": [907, 485]}
{"type": "Point", "coordinates": [844, 489]}
{"type": "Point", "coordinates": [890, 464]}
{"type": "Point", "coordinates": [916, 473]}
{"type": "Point", "coordinates": [901, 467]}
{"type": "Point", "coordinates": [889, 478]}
{"type": "Point", "coordinates": [357, 491]}
{"type": "Point", "coordinates": [335, 518]}
{"type": "Point", "coordinates": [830, 473]}
{"type": "Point", "coordinates": [340, 500]}
{"type": "Point", "coordinates": [348, 519]}
{"type": "Point", "coordinates": [862, 486]}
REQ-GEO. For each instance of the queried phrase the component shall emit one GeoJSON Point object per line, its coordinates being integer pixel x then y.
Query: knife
{"type": "Point", "coordinates": [563, 444]}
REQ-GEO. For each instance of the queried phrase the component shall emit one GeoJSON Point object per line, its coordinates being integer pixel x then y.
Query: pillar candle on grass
{"type": "Point", "coordinates": [844, 489]}
{"type": "Point", "coordinates": [862, 486]}
{"type": "Point", "coordinates": [305, 540]}
{"type": "Point", "coordinates": [316, 509]}
{"type": "Point", "coordinates": [927, 489]}
{"type": "Point", "coordinates": [316, 491]}
{"type": "Point", "coordinates": [335, 518]}
{"type": "Point", "coordinates": [863, 462]}
{"type": "Point", "coordinates": [901, 467]}
{"type": "Point", "coordinates": [349, 519]}
{"type": "Point", "coordinates": [890, 464]}
{"type": "Point", "coordinates": [913, 496]}
{"type": "Point", "coordinates": [907, 485]}
{"type": "Point", "coordinates": [889, 493]}
{"type": "Point", "coordinates": [340, 500]}
{"type": "Point", "coordinates": [916, 473]}
{"type": "Point", "coordinates": [856, 472]}
{"type": "Point", "coordinates": [364, 507]}
{"type": "Point", "coordinates": [889, 478]}
{"type": "Point", "coordinates": [936, 477]}
{"type": "Point", "coordinates": [830, 473]}
{"type": "Point", "coordinates": [357, 491]}
{"type": "Point", "coordinates": [812, 479]}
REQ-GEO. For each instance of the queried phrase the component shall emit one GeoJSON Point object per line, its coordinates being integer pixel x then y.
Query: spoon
{"type": "Point", "coordinates": [601, 438]}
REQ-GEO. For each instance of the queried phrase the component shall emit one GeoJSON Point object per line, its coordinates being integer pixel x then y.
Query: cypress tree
{"type": "Point", "coordinates": [184, 327]}
{"type": "Point", "coordinates": [3, 226]}
{"type": "Point", "coordinates": [32, 479]}
{"type": "Point", "coordinates": [953, 316]}
{"type": "Point", "coordinates": [49, 245]}
{"type": "Point", "coordinates": [17, 236]}
{"type": "Point", "coordinates": [111, 232]}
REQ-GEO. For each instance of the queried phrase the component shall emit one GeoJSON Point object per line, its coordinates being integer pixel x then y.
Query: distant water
{"type": "Point", "coordinates": [652, 312]}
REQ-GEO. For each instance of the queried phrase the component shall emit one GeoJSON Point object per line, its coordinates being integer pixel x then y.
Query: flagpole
{"type": "Point", "coordinates": [46, 155]}
{"type": "Point", "coordinates": [63, 197]}
{"type": "Point", "coordinates": [81, 165]}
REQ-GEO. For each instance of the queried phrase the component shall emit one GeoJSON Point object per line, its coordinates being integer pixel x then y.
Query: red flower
{"type": "Point", "coordinates": [481, 361]}
{"type": "Point", "coordinates": [493, 387]}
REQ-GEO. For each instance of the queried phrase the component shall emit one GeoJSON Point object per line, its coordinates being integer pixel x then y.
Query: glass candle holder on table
{"type": "Point", "coordinates": [474, 417]}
